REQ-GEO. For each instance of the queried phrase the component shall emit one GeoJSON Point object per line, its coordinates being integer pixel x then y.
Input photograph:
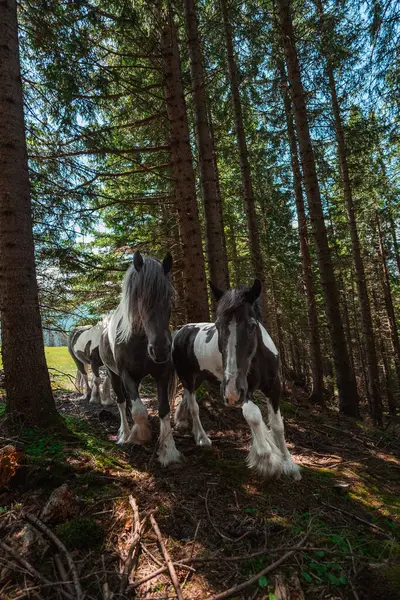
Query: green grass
{"type": "Point", "coordinates": [61, 367]}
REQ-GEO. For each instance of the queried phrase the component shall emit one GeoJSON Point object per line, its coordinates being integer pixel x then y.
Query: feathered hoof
{"type": "Point", "coordinates": [269, 466]}
{"type": "Point", "coordinates": [170, 457]}
{"type": "Point", "coordinates": [140, 434]}
{"type": "Point", "coordinates": [291, 469]}
{"type": "Point", "coordinates": [181, 426]}
{"type": "Point", "coordinates": [123, 436]}
{"type": "Point", "coordinates": [203, 441]}
{"type": "Point", "coordinates": [107, 401]}
{"type": "Point", "coordinates": [94, 399]}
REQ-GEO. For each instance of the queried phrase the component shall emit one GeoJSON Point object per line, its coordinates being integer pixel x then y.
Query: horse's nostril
{"type": "Point", "coordinates": [151, 351]}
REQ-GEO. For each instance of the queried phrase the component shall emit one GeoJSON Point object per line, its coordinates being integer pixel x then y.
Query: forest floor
{"type": "Point", "coordinates": [214, 508]}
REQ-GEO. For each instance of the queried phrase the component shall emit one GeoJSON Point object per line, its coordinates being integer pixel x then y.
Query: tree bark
{"type": "Point", "coordinates": [317, 370]}
{"type": "Point", "coordinates": [362, 292]}
{"type": "Point", "coordinates": [348, 396]}
{"type": "Point", "coordinates": [185, 184]}
{"type": "Point", "coordinates": [215, 234]}
{"type": "Point", "coordinates": [248, 196]}
{"type": "Point", "coordinates": [385, 282]}
{"type": "Point", "coordinates": [27, 382]}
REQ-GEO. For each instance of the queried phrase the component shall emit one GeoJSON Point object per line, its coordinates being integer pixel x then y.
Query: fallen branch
{"type": "Point", "coordinates": [27, 565]}
{"type": "Point", "coordinates": [132, 553]}
{"type": "Point", "coordinates": [349, 514]}
{"type": "Point", "coordinates": [167, 558]}
{"type": "Point", "coordinates": [44, 529]}
{"type": "Point", "coordinates": [255, 578]}
{"type": "Point", "coordinates": [61, 569]}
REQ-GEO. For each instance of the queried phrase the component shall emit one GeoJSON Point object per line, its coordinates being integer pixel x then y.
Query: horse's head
{"type": "Point", "coordinates": [237, 318]}
{"type": "Point", "coordinates": [154, 295]}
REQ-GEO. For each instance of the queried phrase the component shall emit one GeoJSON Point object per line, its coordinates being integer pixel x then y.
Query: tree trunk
{"type": "Point", "coordinates": [348, 396]}
{"type": "Point", "coordinates": [362, 292]}
{"type": "Point", "coordinates": [215, 235]}
{"type": "Point", "coordinates": [252, 224]}
{"type": "Point", "coordinates": [395, 242]}
{"type": "Point", "coordinates": [317, 370]}
{"type": "Point", "coordinates": [185, 185]}
{"type": "Point", "coordinates": [27, 382]}
{"type": "Point", "coordinates": [391, 401]}
{"type": "Point", "coordinates": [388, 298]}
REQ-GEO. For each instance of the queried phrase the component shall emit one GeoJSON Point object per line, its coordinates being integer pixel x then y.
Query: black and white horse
{"type": "Point", "coordinates": [238, 352]}
{"type": "Point", "coordinates": [83, 346]}
{"type": "Point", "coordinates": [136, 343]}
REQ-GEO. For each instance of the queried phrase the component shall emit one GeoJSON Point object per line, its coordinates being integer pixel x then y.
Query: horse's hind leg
{"type": "Point", "coordinates": [96, 381]}
{"type": "Point", "coordinates": [106, 399]}
{"type": "Point", "coordinates": [189, 404]}
{"type": "Point", "coordinates": [140, 432]}
{"type": "Point", "coordinates": [278, 431]}
{"type": "Point", "coordinates": [167, 452]}
{"type": "Point", "coordinates": [83, 379]}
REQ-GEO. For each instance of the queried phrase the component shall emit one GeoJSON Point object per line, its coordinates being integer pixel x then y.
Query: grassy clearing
{"type": "Point", "coordinates": [61, 367]}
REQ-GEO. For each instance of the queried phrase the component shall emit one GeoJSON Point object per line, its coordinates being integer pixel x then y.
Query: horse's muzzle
{"type": "Point", "coordinates": [159, 355]}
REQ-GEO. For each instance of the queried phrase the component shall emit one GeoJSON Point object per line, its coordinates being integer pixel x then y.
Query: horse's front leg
{"type": "Point", "coordinates": [265, 457]}
{"type": "Point", "coordinates": [278, 430]}
{"type": "Point", "coordinates": [167, 452]}
{"type": "Point", "coordinates": [140, 432]}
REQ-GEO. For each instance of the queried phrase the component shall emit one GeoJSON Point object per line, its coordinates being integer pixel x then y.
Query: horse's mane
{"type": "Point", "coordinates": [144, 293]}
{"type": "Point", "coordinates": [234, 299]}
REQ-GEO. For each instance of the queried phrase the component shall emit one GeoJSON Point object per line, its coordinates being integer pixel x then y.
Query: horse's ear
{"type": "Point", "coordinates": [254, 292]}
{"type": "Point", "coordinates": [137, 261]}
{"type": "Point", "coordinates": [167, 263]}
{"type": "Point", "coordinates": [217, 293]}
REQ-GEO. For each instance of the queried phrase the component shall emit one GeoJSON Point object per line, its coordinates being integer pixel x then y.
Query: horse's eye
{"type": "Point", "coordinates": [252, 325]}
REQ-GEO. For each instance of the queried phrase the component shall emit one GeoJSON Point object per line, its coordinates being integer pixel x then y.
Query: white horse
{"type": "Point", "coordinates": [83, 345]}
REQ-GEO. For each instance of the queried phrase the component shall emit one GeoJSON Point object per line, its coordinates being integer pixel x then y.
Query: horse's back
{"type": "Point", "coordinates": [195, 353]}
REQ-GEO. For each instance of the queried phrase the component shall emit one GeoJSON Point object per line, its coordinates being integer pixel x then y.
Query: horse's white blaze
{"type": "Point", "coordinates": [267, 340]}
{"type": "Point", "coordinates": [264, 455]}
{"type": "Point", "coordinates": [207, 353]}
{"type": "Point", "coordinates": [167, 450]}
{"type": "Point", "coordinates": [231, 369]}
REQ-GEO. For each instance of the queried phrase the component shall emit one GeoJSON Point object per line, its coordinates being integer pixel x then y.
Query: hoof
{"type": "Point", "coordinates": [170, 457]}
{"type": "Point", "coordinates": [290, 468]}
{"type": "Point", "coordinates": [107, 401]}
{"type": "Point", "coordinates": [139, 435]}
{"type": "Point", "coordinates": [94, 400]}
{"type": "Point", "coordinates": [269, 466]}
{"type": "Point", "coordinates": [204, 441]}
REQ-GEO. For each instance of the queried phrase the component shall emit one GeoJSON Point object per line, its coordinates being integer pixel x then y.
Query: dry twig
{"type": "Point", "coordinates": [238, 588]}
{"type": "Point", "coordinates": [349, 514]}
{"type": "Point", "coordinates": [171, 568]}
{"type": "Point", "coordinates": [133, 550]}
{"type": "Point", "coordinates": [27, 565]}
{"type": "Point", "coordinates": [44, 529]}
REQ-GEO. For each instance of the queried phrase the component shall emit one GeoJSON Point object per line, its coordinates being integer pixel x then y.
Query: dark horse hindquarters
{"type": "Point", "coordinates": [238, 352]}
